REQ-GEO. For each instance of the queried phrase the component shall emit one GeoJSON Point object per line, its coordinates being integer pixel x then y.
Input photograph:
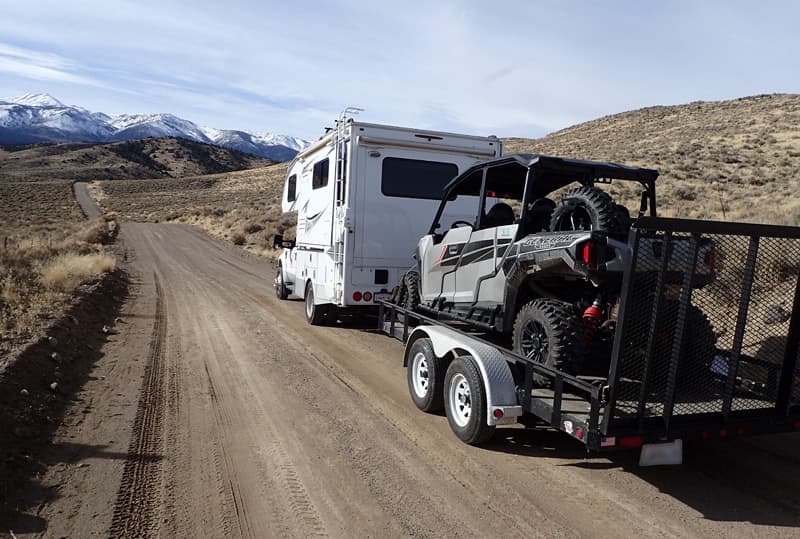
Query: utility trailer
{"type": "Point", "coordinates": [657, 391]}
{"type": "Point", "coordinates": [362, 195]}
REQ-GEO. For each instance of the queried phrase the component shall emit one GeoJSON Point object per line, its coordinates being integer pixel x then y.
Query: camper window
{"type": "Point", "coordinates": [291, 189]}
{"type": "Point", "coordinates": [320, 178]}
{"type": "Point", "coordinates": [412, 178]}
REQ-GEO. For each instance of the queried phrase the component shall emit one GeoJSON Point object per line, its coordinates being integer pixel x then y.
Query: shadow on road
{"type": "Point", "coordinates": [748, 480]}
{"type": "Point", "coordinates": [29, 419]}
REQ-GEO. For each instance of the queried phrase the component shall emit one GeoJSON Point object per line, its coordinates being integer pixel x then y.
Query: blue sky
{"type": "Point", "coordinates": [514, 68]}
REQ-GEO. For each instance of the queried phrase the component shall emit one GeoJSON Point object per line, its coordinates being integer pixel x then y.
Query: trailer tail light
{"type": "Point", "coordinates": [356, 296]}
{"type": "Point", "coordinates": [631, 441]}
{"type": "Point", "coordinates": [498, 413]}
{"type": "Point", "coordinates": [589, 254]}
{"type": "Point", "coordinates": [796, 425]}
{"type": "Point", "coordinates": [740, 431]}
{"type": "Point", "coordinates": [723, 433]}
{"type": "Point", "coordinates": [367, 296]}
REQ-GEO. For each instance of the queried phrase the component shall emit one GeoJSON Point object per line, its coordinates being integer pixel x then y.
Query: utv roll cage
{"type": "Point", "coordinates": [545, 174]}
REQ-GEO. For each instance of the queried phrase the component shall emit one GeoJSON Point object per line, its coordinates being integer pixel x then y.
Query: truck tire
{"type": "Point", "coordinates": [548, 331]}
{"type": "Point", "coordinates": [465, 402]}
{"type": "Point", "coordinates": [315, 314]}
{"type": "Point", "coordinates": [585, 208]}
{"type": "Point", "coordinates": [409, 291]}
{"type": "Point", "coordinates": [280, 286]}
{"type": "Point", "coordinates": [425, 374]}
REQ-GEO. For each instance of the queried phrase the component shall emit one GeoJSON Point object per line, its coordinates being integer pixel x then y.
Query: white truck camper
{"type": "Point", "coordinates": [363, 195]}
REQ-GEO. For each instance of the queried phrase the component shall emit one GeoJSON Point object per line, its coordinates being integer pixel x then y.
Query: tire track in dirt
{"type": "Point", "coordinates": [138, 498]}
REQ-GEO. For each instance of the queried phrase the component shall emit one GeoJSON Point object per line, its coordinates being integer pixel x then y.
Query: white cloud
{"type": "Point", "coordinates": [519, 68]}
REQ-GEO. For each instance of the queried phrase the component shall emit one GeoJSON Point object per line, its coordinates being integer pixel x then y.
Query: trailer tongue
{"type": "Point", "coordinates": [705, 346]}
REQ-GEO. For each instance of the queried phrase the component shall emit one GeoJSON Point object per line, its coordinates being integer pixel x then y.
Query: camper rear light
{"type": "Point", "coordinates": [630, 441]}
{"type": "Point", "coordinates": [356, 296]}
{"type": "Point", "coordinates": [796, 425]}
{"type": "Point", "coordinates": [589, 254]}
{"type": "Point", "coordinates": [367, 296]}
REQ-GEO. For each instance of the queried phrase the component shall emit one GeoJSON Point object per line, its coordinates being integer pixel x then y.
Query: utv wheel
{"type": "Point", "coordinates": [280, 287]}
{"type": "Point", "coordinates": [315, 314]}
{"type": "Point", "coordinates": [548, 332]}
{"type": "Point", "coordinates": [425, 374]}
{"type": "Point", "coordinates": [465, 402]}
{"type": "Point", "coordinates": [409, 291]}
{"type": "Point", "coordinates": [585, 208]}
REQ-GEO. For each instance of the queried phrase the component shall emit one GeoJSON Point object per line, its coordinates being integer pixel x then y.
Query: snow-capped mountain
{"type": "Point", "coordinates": [42, 118]}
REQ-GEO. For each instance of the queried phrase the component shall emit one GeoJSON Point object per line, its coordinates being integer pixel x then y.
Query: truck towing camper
{"type": "Point", "coordinates": [363, 195]}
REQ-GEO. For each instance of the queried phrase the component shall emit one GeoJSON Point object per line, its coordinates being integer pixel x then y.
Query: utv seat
{"type": "Point", "coordinates": [538, 216]}
{"type": "Point", "coordinates": [501, 214]}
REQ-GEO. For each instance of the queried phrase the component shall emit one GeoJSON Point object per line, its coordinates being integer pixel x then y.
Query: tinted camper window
{"type": "Point", "coordinates": [320, 178]}
{"type": "Point", "coordinates": [291, 191]}
{"type": "Point", "coordinates": [411, 178]}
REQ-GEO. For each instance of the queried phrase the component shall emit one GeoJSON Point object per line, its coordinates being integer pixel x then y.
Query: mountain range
{"type": "Point", "coordinates": [34, 118]}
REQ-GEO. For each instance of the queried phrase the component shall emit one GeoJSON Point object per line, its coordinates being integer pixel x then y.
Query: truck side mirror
{"type": "Point", "coordinates": [277, 241]}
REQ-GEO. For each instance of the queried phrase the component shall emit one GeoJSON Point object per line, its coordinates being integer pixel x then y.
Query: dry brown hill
{"type": "Point", "coordinates": [146, 158]}
{"type": "Point", "coordinates": [743, 153]}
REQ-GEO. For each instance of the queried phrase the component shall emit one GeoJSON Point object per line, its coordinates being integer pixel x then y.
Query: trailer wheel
{"type": "Point", "coordinates": [315, 314]}
{"type": "Point", "coordinates": [547, 331]}
{"type": "Point", "coordinates": [465, 402]}
{"type": "Point", "coordinates": [280, 286]}
{"type": "Point", "coordinates": [425, 374]}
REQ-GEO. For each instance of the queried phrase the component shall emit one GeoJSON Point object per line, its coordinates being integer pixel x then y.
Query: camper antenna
{"type": "Point", "coordinates": [349, 111]}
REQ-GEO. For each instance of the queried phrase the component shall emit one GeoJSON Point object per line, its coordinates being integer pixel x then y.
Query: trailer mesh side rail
{"type": "Point", "coordinates": [708, 327]}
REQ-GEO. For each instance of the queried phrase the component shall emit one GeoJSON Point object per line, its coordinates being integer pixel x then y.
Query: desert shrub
{"type": "Point", "coordinates": [252, 228]}
{"type": "Point", "coordinates": [67, 271]}
{"type": "Point", "coordinates": [238, 238]}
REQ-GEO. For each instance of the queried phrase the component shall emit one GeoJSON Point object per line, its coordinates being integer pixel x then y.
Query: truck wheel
{"type": "Point", "coordinates": [425, 375]}
{"type": "Point", "coordinates": [465, 402]}
{"type": "Point", "coordinates": [280, 287]}
{"type": "Point", "coordinates": [315, 314]}
{"type": "Point", "coordinates": [409, 291]}
{"type": "Point", "coordinates": [548, 331]}
{"type": "Point", "coordinates": [585, 208]}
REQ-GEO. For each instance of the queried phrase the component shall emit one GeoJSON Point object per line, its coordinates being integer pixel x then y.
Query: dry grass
{"type": "Point", "coordinates": [733, 160]}
{"type": "Point", "coordinates": [36, 277]}
{"type": "Point", "coordinates": [65, 272]}
{"type": "Point", "coordinates": [241, 207]}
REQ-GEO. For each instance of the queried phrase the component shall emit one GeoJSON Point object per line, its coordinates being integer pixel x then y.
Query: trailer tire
{"type": "Point", "coordinates": [280, 285]}
{"type": "Point", "coordinates": [425, 374]}
{"type": "Point", "coordinates": [585, 208]}
{"type": "Point", "coordinates": [548, 332]}
{"type": "Point", "coordinates": [408, 298]}
{"type": "Point", "coordinates": [315, 314]}
{"type": "Point", "coordinates": [465, 402]}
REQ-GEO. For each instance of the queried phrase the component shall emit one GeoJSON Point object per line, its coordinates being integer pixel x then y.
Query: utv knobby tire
{"type": "Point", "coordinates": [425, 375]}
{"type": "Point", "coordinates": [315, 314]}
{"type": "Point", "coordinates": [409, 291]}
{"type": "Point", "coordinates": [585, 208]}
{"type": "Point", "coordinates": [463, 376]}
{"type": "Point", "coordinates": [280, 285]}
{"type": "Point", "coordinates": [548, 331]}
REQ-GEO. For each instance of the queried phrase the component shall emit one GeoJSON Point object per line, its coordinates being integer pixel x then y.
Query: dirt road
{"type": "Point", "coordinates": [83, 197]}
{"type": "Point", "coordinates": [240, 419]}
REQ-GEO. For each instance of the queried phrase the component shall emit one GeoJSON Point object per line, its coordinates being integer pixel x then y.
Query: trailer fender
{"type": "Point", "coordinates": [501, 393]}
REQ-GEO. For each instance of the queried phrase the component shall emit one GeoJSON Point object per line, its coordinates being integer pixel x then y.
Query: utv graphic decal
{"type": "Point", "coordinates": [474, 252]}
